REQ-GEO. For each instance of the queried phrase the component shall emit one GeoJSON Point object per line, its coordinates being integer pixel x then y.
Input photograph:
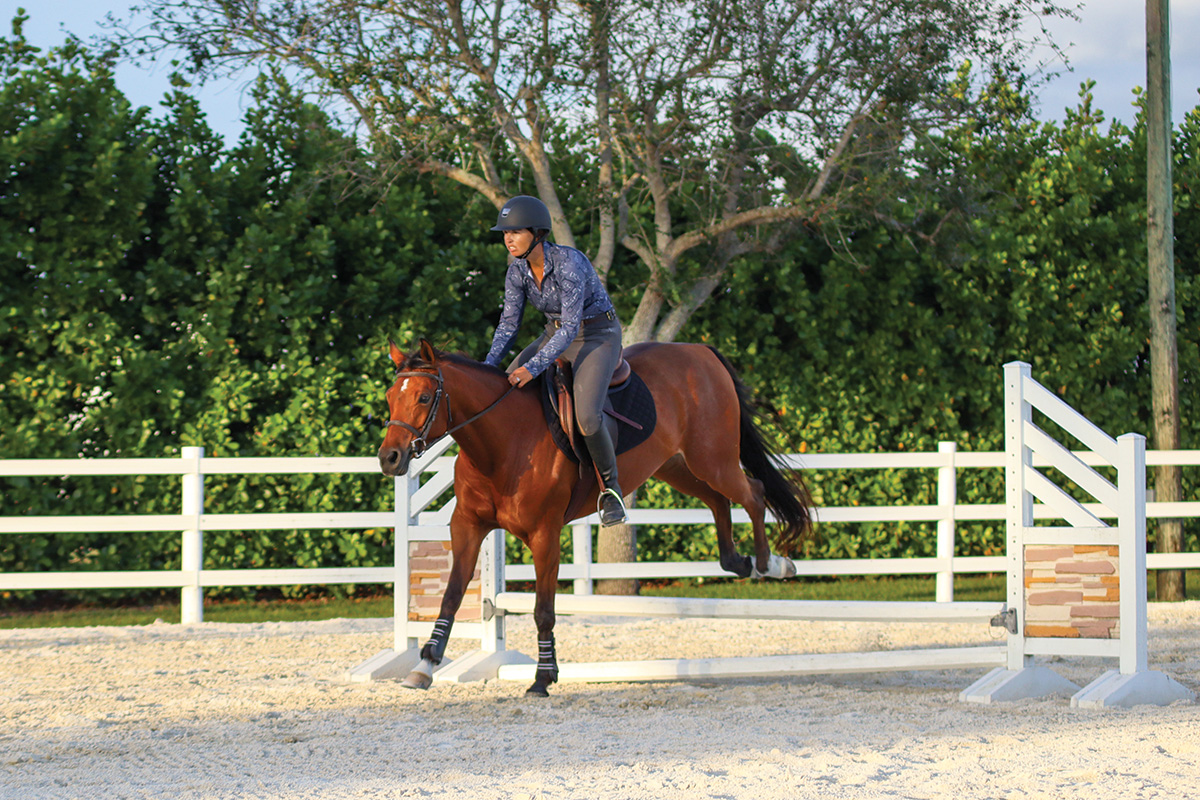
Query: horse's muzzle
{"type": "Point", "coordinates": [393, 460]}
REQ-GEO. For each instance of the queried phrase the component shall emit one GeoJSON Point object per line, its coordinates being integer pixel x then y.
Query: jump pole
{"type": "Point", "coordinates": [764, 666]}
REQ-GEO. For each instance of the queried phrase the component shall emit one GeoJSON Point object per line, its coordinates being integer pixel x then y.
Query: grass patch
{"type": "Point", "coordinates": [262, 611]}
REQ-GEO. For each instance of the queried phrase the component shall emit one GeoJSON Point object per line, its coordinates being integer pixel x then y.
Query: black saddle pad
{"type": "Point", "coordinates": [631, 399]}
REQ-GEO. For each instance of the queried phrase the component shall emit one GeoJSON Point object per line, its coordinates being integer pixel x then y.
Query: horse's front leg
{"type": "Point", "coordinates": [546, 555]}
{"type": "Point", "coordinates": [466, 537]}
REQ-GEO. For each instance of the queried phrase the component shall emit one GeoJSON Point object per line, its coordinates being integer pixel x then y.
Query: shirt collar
{"type": "Point", "coordinates": [549, 258]}
{"type": "Point", "coordinates": [548, 262]}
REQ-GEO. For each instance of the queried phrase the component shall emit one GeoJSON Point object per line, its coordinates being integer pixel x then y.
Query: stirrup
{"type": "Point", "coordinates": [610, 518]}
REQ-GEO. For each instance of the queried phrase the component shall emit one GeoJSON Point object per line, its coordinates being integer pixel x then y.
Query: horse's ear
{"type": "Point", "coordinates": [427, 351]}
{"type": "Point", "coordinates": [398, 357]}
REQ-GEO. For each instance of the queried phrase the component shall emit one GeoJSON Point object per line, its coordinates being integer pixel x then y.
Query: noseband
{"type": "Point", "coordinates": [420, 442]}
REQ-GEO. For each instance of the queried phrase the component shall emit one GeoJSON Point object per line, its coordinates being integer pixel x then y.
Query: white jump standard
{"type": "Point", "coordinates": [1133, 683]}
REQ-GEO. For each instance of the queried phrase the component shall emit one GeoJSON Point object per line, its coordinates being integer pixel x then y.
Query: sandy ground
{"type": "Point", "coordinates": [265, 711]}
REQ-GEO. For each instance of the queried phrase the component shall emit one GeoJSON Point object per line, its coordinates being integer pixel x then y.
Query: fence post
{"type": "Point", "coordinates": [191, 596]}
{"type": "Point", "coordinates": [947, 498]}
{"type": "Point", "coordinates": [1018, 502]}
{"type": "Point", "coordinates": [1131, 552]}
{"type": "Point", "coordinates": [581, 549]}
{"type": "Point", "coordinates": [491, 583]}
{"type": "Point", "coordinates": [404, 485]}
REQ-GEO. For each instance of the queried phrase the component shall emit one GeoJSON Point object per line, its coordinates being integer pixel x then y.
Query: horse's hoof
{"type": "Point", "coordinates": [538, 689]}
{"type": "Point", "coordinates": [421, 677]}
{"type": "Point", "coordinates": [417, 680]}
{"type": "Point", "coordinates": [778, 567]}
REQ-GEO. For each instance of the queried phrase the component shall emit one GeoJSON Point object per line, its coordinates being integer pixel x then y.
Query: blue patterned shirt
{"type": "Point", "coordinates": [570, 292]}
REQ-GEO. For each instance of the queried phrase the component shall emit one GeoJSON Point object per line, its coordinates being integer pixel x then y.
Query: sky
{"type": "Point", "coordinates": [1107, 45]}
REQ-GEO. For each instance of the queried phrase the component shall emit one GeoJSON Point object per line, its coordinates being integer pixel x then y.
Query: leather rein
{"type": "Point", "coordinates": [420, 442]}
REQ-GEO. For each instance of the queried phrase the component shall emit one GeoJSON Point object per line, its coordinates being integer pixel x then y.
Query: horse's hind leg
{"type": "Point", "coordinates": [767, 564]}
{"type": "Point", "coordinates": [731, 482]}
{"type": "Point", "coordinates": [676, 473]}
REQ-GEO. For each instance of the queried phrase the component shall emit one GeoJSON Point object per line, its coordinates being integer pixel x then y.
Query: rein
{"type": "Point", "coordinates": [420, 443]}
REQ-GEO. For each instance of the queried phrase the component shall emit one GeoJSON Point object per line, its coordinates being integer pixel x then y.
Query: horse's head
{"type": "Point", "coordinates": [415, 402]}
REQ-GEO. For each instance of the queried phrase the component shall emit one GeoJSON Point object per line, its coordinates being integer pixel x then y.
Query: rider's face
{"type": "Point", "coordinates": [518, 242]}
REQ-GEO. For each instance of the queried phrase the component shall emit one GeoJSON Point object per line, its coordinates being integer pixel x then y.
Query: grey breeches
{"type": "Point", "coordinates": [594, 355]}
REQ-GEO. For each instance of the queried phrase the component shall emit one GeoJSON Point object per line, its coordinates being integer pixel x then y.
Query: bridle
{"type": "Point", "coordinates": [420, 442]}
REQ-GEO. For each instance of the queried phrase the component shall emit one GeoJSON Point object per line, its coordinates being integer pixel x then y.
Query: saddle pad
{"type": "Point", "coordinates": [631, 399]}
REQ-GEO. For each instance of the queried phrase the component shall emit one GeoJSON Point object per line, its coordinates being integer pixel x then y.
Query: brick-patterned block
{"type": "Point", "coordinates": [1072, 592]}
{"type": "Point", "coordinates": [1052, 631]}
{"type": "Point", "coordinates": [1097, 630]}
{"type": "Point", "coordinates": [1087, 567]}
{"type": "Point", "coordinates": [429, 570]}
{"type": "Point", "coordinates": [1059, 598]}
{"type": "Point", "coordinates": [1049, 554]}
{"type": "Point", "coordinates": [1096, 611]}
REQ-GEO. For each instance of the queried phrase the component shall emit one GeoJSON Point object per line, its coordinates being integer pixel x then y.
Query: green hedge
{"type": "Point", "coordinates": [163, 288]}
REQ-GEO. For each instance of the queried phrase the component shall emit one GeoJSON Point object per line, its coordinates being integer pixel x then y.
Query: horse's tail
{"type": "Point", "coordinates": [786, 494]}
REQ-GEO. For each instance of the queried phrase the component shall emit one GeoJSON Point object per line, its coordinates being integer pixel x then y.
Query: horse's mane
{"type": "Point", "coordinates": [415, 361]}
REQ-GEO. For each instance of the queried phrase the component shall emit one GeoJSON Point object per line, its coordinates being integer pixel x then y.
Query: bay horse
{"type": "Point", "coordinates": [510, 474]}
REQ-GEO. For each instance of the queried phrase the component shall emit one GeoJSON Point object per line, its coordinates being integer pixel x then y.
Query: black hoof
{"type": "Point", "coordinates": [539, 689]}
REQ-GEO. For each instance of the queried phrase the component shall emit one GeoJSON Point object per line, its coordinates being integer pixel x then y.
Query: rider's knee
{"type": "Point", "coordinates": [590, 424]}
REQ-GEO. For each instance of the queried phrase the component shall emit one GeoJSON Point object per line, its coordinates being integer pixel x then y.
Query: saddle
{"type": "Point", "coordinates": [629, 412]}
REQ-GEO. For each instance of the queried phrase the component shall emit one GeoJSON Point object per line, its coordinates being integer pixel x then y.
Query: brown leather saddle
{"type": "Point", "coordinates": [629, 412]}
{"type": "Point", "coordinates": [561, 386]}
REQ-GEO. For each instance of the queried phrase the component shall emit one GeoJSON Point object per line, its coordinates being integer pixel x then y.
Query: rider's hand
{"type": "Point", "coordinates": [519, 376]}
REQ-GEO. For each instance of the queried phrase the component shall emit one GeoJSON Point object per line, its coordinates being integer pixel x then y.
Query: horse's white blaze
{"type": "Point", "coordinates": [404, 385]}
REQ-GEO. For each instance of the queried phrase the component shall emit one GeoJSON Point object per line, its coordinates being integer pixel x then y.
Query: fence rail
{"type": "Point", "coordinates": [192, 467]}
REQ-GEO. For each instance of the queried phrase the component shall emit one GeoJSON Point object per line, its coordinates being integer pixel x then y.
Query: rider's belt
{"type": "Point", "coordinates": [609, 315]}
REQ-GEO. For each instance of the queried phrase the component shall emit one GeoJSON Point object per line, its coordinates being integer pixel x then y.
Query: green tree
{"type": "Point", "coordinates": [73, 201]}
{"type": "Point", "coordinates": [710, 122]}
{"type": "Point", "coordinates": [162, 290]}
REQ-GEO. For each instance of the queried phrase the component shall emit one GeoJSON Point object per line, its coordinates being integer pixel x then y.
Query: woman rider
{"type": "Point", "coordinates": [581, 327]}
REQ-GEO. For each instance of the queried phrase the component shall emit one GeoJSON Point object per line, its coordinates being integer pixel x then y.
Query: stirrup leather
{"type": "Point", "coordinates": [607, 521]}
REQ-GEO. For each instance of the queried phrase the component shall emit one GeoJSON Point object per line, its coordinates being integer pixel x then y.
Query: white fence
{"type": "Point", "coordinates": [193, 520]}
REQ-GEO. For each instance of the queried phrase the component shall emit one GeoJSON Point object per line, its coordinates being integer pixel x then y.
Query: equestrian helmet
{"type": "Point", "coordinates": [523, 212]}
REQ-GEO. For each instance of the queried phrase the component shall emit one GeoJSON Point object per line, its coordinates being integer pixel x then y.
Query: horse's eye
{"type": "Point", "coordinates": [424, 399]}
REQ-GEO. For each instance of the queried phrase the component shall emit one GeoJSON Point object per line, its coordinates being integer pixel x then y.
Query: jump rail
{"type": "Point", "coordinates": [763, 666]}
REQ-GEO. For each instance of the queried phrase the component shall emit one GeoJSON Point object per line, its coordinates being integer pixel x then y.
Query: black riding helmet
{"type": "Point", "coordinates": [524, 211]}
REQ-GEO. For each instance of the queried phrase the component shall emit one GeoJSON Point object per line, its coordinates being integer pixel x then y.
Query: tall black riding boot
{"type": "Point", "coordinates": [610, 505]}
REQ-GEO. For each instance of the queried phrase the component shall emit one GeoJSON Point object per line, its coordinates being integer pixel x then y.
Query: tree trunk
{"type": "Point", "coordinates": [1164, 362]}
{"type": "Point", "coordinates": [618, 545]}
{"type": "Point", "coordinates": [605, 187]}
